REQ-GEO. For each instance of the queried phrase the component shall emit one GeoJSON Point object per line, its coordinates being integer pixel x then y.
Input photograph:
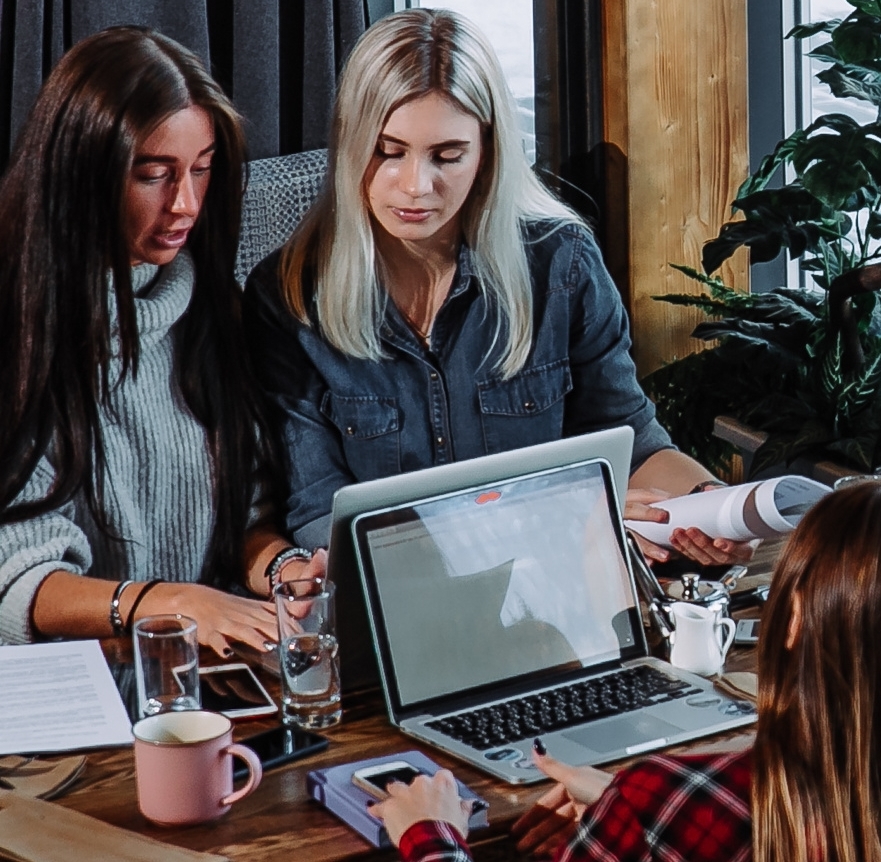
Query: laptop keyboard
{"type": "Point", "coordinates": [567, 706]}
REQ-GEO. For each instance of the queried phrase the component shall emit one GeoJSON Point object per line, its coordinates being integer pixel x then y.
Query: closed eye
{"type": "Point", "coordinates": [153, 176]}
{"type": "Point", "coordinates": [386, 154]}
{"type": "Point", "coordinates": [449, 157]}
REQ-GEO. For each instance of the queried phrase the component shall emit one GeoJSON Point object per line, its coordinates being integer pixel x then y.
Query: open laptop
{"type": "Point", "coordinates": [358, 665]}
{"type": "Point", "coordinates": [508, 610]}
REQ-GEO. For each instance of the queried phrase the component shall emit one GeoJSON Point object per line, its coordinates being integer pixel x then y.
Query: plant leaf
{"type": "Point", "coordinates": [769, 164]}
{"type": "Point", "coordinates": [870, 7]}
{"type": "Point", "coordinates": [805, 31]}
{"type": "Point", "coordinates": [858, 450]}
{"type": "Point", "coordinates": [856, 39]}
{"type": "Point", "coordinates": [847, 86]}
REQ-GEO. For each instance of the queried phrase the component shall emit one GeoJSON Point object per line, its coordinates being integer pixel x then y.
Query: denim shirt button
{"type": "Point", "coordinates": [350, 430]}
{"type": "Point", "coordinates": [529, 406]}
{"type": "Point", "coordinates": [440, 442]}
{"type": "Point", "coordinates": [433, 375]}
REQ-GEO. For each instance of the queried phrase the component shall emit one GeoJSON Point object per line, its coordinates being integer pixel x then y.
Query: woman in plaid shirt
{"type": "Point", "coordinates": [810, 788]}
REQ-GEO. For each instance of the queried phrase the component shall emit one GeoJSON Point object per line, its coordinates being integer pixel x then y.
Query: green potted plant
{"type": "Point", "coordinates": [802, 365]}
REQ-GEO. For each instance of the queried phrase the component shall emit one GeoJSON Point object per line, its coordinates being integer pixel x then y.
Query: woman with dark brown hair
{"type": "Point", "coordinates": [130, 429]}
{"type": "Point", "coordinates": [810, 788]}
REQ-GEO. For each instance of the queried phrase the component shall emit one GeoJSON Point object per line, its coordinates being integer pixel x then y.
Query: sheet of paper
{"type": "Point", "coordinates": [59, 697]}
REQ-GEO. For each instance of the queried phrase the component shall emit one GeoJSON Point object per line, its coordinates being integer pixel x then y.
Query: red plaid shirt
{"type": "Point", "coordinates": [663, 809]}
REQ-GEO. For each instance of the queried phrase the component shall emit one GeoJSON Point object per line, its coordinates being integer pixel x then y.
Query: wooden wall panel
{"type": "Point", "coordinates": [676, 126]}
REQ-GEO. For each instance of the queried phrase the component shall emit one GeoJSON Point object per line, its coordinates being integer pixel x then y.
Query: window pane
{"type": "Point", "coordinates": [508, 26]}
{"type": "Point", "coordinates": [821, 99]}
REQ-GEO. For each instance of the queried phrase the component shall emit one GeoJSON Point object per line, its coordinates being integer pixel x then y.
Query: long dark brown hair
{"type": "Point", "coordinates": [61, 217]}
{"type": "Point", "coordinates": [817, 775]}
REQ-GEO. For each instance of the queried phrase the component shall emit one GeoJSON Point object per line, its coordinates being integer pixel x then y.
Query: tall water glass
{"type": "Point", "coordinates": [308, 653]}
{"type": "Point", "coordinates": [166, 664]}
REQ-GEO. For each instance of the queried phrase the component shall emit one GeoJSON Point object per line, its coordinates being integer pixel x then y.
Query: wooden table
{"type": "Point", "coordinates": [279, 822]}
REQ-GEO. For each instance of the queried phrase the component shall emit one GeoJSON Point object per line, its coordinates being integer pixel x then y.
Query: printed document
{"type": "Point", "coordinates": [59, 697]}
{"type": "Point", "coordinates": [755, 510]}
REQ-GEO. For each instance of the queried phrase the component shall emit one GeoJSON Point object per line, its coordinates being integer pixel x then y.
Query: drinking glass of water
{"type": "Point", "coordinates": [166, 664]}
{"type": "Point", "coordinates": [308, 653]}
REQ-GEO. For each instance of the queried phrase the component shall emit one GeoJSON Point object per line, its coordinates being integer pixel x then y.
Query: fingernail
{"type": "Point", "coordinates": [228, 652]}
{"type": "Point", "coordinates": [269, 646]}
{"type": "Point", "coordinates": [539, 746]}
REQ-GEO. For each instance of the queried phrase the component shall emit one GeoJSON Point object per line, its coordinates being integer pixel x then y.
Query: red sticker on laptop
{"type": "Point", "coordinates": [488, 497]}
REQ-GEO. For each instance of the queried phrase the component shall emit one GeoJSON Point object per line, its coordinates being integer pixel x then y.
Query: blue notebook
{"type": "Point", "coordinates": [333, 788]}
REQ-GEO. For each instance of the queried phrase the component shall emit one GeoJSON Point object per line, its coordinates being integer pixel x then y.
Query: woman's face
{"type": "Point", "coordinates": [426, 160]}
{"type": "Point", "coordinates": [167, 184]}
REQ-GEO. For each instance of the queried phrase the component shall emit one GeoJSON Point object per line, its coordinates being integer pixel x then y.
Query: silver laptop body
{"type": "Point", "coordinates": [508, 610]}
{"type": "Point", "coordinates": [358, 664]}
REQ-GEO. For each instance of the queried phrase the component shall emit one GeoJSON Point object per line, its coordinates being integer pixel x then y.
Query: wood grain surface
{"type": "Point", "coordinates": [675, 97]}
{"type": "Point", "coordinates": [279, 823]}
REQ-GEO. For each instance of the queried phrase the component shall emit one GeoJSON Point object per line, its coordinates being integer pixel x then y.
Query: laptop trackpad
{"type": "Point", "coordinates": [621, 733]}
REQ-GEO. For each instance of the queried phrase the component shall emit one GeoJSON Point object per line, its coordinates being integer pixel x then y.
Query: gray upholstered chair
{"type": "Point", "coordinates": [280, 190]}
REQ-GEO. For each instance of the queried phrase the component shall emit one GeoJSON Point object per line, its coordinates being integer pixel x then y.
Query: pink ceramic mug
{"type": "Point", "coordinates": [183, 767]}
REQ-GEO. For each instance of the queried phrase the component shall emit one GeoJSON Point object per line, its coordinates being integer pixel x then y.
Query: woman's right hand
{"type": "Point", "coordinates": [222, 619]}
{"type": "Point", "coordinates": [552, 820]}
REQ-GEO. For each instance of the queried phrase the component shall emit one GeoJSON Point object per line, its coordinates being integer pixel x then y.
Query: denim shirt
{"type": "Point", "coordinates": [345, 420]}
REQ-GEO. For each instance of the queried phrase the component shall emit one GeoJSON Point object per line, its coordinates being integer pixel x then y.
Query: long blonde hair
{"type": "Point", "coordinates": [816, 785]}
{"type": "Point", "coordinates": [401, 58]}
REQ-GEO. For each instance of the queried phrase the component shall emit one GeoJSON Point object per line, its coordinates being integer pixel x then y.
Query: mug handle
{"type": "Point", "coordinates": [727, 623]}
{"type": "Point", "coordinates": [255, 772]}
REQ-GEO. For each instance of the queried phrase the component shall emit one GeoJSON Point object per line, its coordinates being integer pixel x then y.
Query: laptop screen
{"type": "Point", "coordinates": [498, 583]}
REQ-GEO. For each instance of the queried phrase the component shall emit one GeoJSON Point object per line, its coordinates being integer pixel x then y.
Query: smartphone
{"type": "Point", "coordinates": [747, 631]}
{"type": "Point", "coordinates": [235, 691]}
{"type": "Point", "coordinates": [280, 745]}
{"type": "Point", "coordinates": [374, 779]}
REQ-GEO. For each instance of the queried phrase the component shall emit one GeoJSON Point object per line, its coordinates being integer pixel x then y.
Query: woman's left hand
{"type": "Point", "coordinates": [429, 797]}
{"type": "Point", "coordinates": [698, 546]}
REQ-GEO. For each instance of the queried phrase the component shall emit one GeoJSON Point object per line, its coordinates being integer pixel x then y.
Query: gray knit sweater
{"type": "Point", "coordinates": [158, 493]}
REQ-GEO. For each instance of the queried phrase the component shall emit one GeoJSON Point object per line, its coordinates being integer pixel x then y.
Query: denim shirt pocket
{"type": "Point", "coordinates": [525, 409]}
{"type": "Point", "coordinates": [369, 428]}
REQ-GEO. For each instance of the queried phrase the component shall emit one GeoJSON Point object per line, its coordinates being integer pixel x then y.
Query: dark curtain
{"type": "Point", "coordinates": [569, 101]}
{"type": "Point", "coordinates": [276, 59]}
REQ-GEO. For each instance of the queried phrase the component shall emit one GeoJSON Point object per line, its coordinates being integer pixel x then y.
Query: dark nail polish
{"type": "Point", "coordinates": [228, 653]}
{"type": "Point", "coordinates": [539, 746]}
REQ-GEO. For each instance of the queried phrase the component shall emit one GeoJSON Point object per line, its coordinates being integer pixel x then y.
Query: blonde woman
{"type": "Point", "coordinates": [437, 302]}
{"type": "Point", "coordinates": [810, 788]}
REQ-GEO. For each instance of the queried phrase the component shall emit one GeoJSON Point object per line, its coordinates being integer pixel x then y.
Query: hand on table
{"type": "Point", "coordinates": [221, 618]}
{"type": "Point", "coordinates": [428, 797]}
{"type": "Point", "coordinates": [551, 822]}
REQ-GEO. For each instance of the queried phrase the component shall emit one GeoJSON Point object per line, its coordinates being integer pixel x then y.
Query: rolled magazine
{"type": "Point", "coordinates": [755, 510]}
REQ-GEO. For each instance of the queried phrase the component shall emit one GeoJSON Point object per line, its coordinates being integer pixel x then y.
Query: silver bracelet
{"type": "Point", "coordinates": [115, 617]}
{"type": "Point", "coordinates": [277, 563]}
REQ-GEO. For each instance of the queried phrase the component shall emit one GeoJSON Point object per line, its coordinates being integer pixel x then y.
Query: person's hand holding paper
{"type": "Point", "coordinates": [755, 510]}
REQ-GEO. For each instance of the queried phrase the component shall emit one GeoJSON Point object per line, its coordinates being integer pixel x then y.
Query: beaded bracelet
{"type": "Point", "coordinates": [116, 622]}
{"type": "Point", "coordinates": [278, 561]}
{"type": "Point", "coordinates": [140, 597]}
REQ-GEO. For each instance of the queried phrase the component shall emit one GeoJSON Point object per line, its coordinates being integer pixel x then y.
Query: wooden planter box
{"type": "Point", "coordinates": [747, 440]}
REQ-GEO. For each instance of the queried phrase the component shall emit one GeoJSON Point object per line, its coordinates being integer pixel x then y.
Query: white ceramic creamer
{"type": "Point", "coordinates": [701, 638]}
